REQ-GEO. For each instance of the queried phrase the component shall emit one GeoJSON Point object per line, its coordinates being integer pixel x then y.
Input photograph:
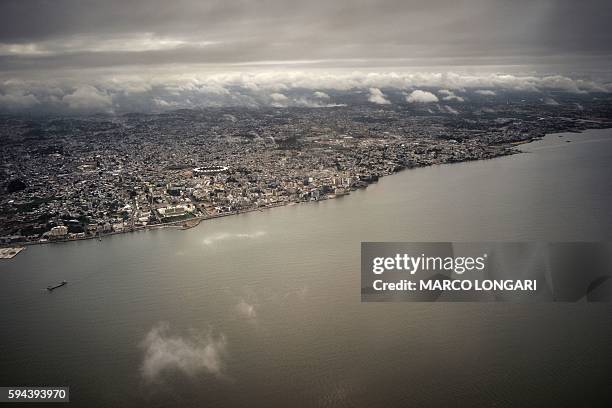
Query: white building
{"type": "Point", "coordinates": [175, 210]}
{"type": "Point", "coordinates": [59, 231]}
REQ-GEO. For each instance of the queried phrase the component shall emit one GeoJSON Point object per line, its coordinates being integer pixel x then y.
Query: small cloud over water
{"type": "Point", "coordinates": [246, 310]}
{"type": "Point", "coordinates": [232, 236]}
{"type": "Point", "coordinates": [190, 355]}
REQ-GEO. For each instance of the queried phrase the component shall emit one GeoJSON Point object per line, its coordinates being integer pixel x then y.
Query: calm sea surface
{"type": "Point", "coordinates": [263, 309]}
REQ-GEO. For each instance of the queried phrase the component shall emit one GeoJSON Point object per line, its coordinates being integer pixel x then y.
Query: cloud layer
{"type": "Point", "coordinates": [40, 34]}
{"type": "Point", "coordinates": [163, 91]}
{"type": "Point", "coordinates": [70, 56]}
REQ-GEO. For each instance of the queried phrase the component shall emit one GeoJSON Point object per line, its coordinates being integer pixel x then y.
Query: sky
{"type": "Point", "coordinates": [88, 50]}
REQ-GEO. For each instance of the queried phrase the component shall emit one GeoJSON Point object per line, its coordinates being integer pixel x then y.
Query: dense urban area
{"type": "Point", "coordinates": [86, 176]}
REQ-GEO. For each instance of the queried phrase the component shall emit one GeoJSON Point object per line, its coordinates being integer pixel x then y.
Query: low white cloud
{"type": "Point", "coordinates": [88, 98]}
{"type": "Point", "coordinates": [279, 100]}
{"type": "Point", "coordinates": [378, 97]}
{"type": "Point", "coordinates": [190, 355]}
{"type": "Point", "coordinates": [246, 310]}
{"type": "Point", "coordinates": [278, 97]}
{"type": "Point", "coordinates": [419, 96]}
{"type": "Point", "coordinates": [450, 96]}
{"type": "Point", "coordinates": [18, 100]}
{"type": "Point", "coordinates": [450, 110]}
{"type": "Point", "coordinates": [165, 104]}
{"type": "Point", "coordinates": [228, 236]}
{"type": "Point", "coordinates": [485, 92]}
{"type": "Point", "coordinates": [321, 95]}
{"type": "Point", "coordinates": [310, 103]}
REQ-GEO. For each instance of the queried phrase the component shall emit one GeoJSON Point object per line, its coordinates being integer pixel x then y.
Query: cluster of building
{"type": "Point", "coordinates": [81, 177]}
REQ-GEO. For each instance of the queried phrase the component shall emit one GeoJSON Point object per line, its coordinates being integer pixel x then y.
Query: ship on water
{"type": "Point", "coordinates": [52, 288]}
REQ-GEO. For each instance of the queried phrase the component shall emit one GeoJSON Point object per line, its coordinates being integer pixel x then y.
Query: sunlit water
{"type": "Point", "coordinates": [263, 309]}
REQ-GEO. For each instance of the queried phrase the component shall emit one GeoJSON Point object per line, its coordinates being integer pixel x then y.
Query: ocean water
{"type": "Point", "coordinates": [263, 309]}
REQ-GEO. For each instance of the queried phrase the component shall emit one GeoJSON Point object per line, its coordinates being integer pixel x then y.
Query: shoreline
{"type": "Point", "coordinates": [180, 225]}
{"type": "Point", "coordinates": [196, 221]}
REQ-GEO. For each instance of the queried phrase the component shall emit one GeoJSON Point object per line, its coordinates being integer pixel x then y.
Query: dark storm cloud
{"type": "Point", "coordinates": [125, 55]}
{"type": "Point", "coordinates": [76, 33]}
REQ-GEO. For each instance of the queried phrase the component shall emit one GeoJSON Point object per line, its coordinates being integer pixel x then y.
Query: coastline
{"type": "Point", "coordinates": [180, 225]}
{"type": "Point", "coordinates": [196, 221]}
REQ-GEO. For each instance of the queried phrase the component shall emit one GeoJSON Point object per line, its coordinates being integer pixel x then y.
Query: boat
{"type": "Point", "coordinates": [51, 288]}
